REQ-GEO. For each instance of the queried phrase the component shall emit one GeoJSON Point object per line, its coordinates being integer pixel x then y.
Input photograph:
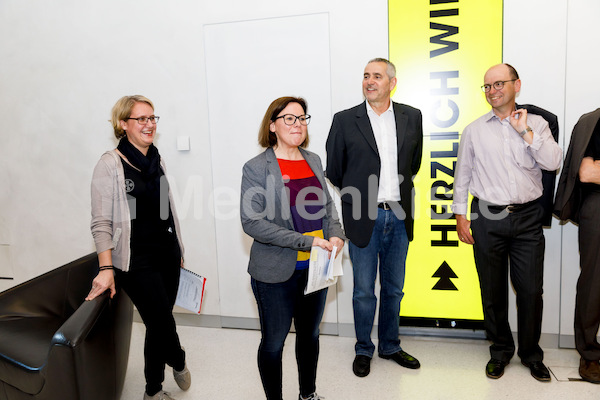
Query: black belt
{"type": "Point", "coordinates": [510, 208]}
{"type": "Point", "coordinates": [386, 205]}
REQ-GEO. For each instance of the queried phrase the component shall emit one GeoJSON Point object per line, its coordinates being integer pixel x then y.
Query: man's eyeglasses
{"type": "Point", "coordinates": [144, 120]}
{"type": "Point", "coordinates": [290, 119]}
{"type": "Point", "coordinates": [497, 85]}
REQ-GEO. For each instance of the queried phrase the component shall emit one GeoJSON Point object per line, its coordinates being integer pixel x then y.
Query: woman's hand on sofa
{"type": "Point", "coordinates": [105, 280]}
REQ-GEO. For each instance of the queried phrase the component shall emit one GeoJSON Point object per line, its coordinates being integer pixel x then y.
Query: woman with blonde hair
{"type": "Point", "coordinates": [137, 237]}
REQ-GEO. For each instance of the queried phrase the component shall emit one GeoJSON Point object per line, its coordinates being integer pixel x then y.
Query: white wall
{"type": "Point", "coordinates": [65, 63]}
{"type": "Point", "coordinates": [298, 64]}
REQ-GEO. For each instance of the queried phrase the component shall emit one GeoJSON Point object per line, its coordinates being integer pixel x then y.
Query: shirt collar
{"type": "Point", "coordinates": [491, 115]}
{"type": "Point", "coordinates": [390, 108]}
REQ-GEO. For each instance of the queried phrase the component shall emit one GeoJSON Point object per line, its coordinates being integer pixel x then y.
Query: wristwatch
{"type": "Point", "coordinates": [524, 131]}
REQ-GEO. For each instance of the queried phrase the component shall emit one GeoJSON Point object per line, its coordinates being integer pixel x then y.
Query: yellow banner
{"type": "Point", "coordinates": [441, 49]}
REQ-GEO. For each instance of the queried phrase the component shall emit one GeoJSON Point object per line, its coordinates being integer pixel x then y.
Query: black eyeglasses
{"type": "Point", "coordinates": [144, 120]}
{"type": "Point", "coordinates": [290, 119]}
{"type": "Point", "coordinates": [497, 85]}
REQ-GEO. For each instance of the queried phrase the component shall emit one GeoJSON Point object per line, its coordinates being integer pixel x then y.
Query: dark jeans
{"type": "Point", "coordinates": [587, 307]}
{"type": "Point", "coordinates": [153, 290]}
{"type": "Point", "coordinates": [278, 304]}
{"type": "Point", "coordinates": [387, 251]}
{"type": "Point", "coordinates": [517, 237]}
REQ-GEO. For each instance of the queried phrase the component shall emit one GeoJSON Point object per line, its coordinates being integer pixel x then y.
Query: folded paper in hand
{"type": "Point", "coordinates": [323, 269]}
{"type": "Point", "coordinates": [191, 291]}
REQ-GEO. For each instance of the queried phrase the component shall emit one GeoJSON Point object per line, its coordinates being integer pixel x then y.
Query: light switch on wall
{"type": "Point", "coordinates": [183, 143]}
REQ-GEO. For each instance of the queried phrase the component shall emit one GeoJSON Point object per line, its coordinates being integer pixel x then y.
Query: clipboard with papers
{"type": "Point", "coordinates": [191, 291]}
{"type": "Point", "coordinates": [323, 269]}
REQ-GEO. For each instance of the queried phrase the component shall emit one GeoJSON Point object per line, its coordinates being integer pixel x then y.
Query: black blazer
{"type": "Point", "coordinates": [548, 177]}
{"type": "Point", "coordinates": [352, 158]}
{"type": "Point", "coordinates": [568, 194]}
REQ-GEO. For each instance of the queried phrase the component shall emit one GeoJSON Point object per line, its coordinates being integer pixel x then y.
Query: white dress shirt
{"type": "Point", "coordinates": [495, 164]}
{"type": "Point", "coordinates": [384, 129]}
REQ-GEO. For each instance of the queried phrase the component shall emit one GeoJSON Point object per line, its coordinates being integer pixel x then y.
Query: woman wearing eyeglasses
{"type": "Point", "coordinates": [287, 209]}
{"type": "Point", "coordinates": [137, 237]}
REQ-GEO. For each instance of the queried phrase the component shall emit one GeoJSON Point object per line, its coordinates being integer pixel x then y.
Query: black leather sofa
{"type": "Point", "coordinates": [56, 345]}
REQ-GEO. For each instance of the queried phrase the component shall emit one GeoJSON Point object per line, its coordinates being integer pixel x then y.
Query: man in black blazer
{"type": "Point", "coordinates": [578, 200]}
{"type": "Point", "coordinates": [373, 152]}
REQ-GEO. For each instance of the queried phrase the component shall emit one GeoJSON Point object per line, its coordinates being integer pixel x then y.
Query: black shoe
{"type": "Point", "coordinates": [538, 370]}
{"type": "Point", "coordinates": [495, 368]}
{"type": "Point", "coordinates": [361, 365]}
{"type": "Point", "coordinates": [402, 358]}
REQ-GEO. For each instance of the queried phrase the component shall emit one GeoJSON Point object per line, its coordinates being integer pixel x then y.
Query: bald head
{"type": "Point", "coordinates": [504, 84]}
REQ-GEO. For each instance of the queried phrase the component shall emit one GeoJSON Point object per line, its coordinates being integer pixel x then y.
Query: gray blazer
{"type": "Point", "coordinates": [266, 217]}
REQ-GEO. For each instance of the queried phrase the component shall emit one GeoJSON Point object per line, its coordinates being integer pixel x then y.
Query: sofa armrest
{"type": "Point", "coordinates": [76, 328]}
{"type": "Point", "coordinates": [95, 341]}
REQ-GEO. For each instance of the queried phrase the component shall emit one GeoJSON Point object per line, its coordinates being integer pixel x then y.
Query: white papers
{"type": "Point", "coordinates": [323, 269]}
{"type": "Point", "coordinates": [191, 291]}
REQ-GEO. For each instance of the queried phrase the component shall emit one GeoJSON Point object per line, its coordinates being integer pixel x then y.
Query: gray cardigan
{"type": "Point", "coordinates": [111, 221]}
{"type": "Point", "coordinates": [266, 217]}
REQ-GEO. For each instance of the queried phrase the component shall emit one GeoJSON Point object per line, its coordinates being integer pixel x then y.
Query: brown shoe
{"type": "Point", "coordinates": [589, 370]}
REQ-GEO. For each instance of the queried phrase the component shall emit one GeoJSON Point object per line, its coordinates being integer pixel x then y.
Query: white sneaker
{"type": "Point", "coordinates": [183, 378]}
{"type": "Point", "coordinates": [162, 395]}
{"type": "Point", "coordinates": [313, 396]}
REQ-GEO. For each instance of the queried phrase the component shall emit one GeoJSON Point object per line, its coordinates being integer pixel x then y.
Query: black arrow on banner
{"type": "Point", "coordinates": [445, 273]}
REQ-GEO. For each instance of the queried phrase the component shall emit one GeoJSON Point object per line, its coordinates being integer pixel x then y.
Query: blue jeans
{"type": "Point", "coordinates": [278, 304]}
{"type": "Point", "coordinates": [388, 247]}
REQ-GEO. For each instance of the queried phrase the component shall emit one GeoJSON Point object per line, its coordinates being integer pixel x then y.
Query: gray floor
{"type": "Point", "coordinates": [223, 366]}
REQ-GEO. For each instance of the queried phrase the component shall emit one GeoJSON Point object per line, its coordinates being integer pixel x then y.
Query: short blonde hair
{"type": "Point", "coordinates": [122, 110]}
{"type": "Point", "coordinates": [266, 138]}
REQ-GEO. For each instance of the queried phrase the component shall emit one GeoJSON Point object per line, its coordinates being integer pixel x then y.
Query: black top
{"type": "Point", "coordinates": [150, 230]}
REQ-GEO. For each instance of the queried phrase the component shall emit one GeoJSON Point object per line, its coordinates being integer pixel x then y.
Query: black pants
{"type": "Point", "coordinates": [517, 237]}
{"type": "Point", "coordinates": [587, 305]}
{"type": "Point", "coordinates": [153, 290]}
